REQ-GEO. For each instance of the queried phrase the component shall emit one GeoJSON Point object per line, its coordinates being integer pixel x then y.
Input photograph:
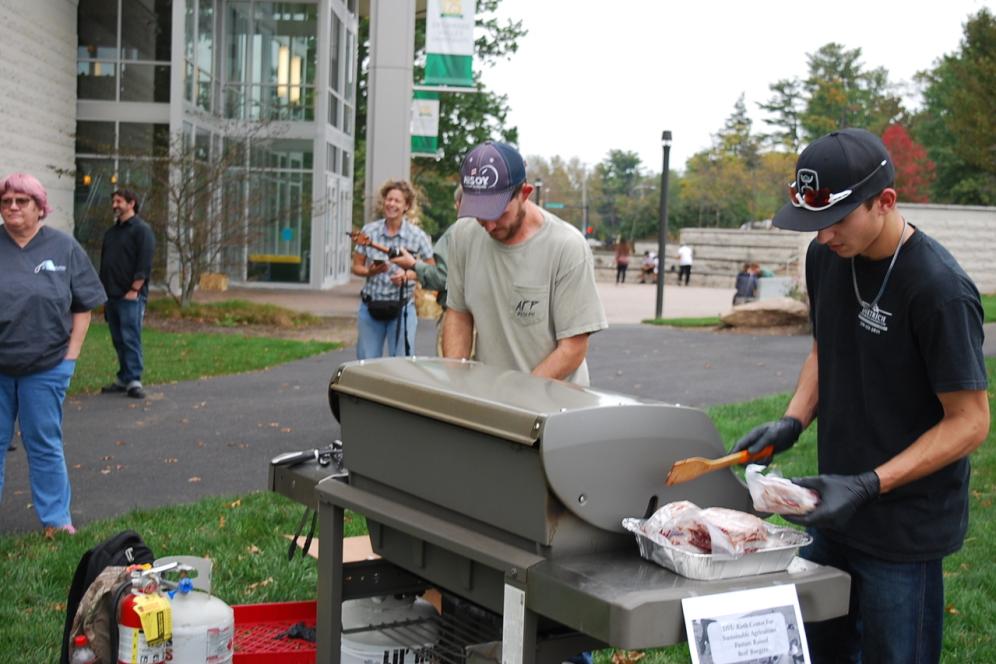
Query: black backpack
{"type": "Point", "coordinates": [125, 548]}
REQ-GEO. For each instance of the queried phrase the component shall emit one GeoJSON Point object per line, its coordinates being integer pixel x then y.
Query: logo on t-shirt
{"type": "Point", "coordinates": [49, 266]}
{"type": "Point", "coordinates": [526, 310]}
{"type": "Point", "coordinates": [874, 320]}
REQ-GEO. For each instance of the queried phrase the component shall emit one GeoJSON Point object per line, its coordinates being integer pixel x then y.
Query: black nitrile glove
{"type": "Point", "coordinates": [782, 434]}
{"type": "Point", "coordinates": [840, 497]}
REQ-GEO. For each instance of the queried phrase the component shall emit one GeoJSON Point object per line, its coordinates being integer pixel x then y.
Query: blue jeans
{"type": "Point", "coordinates": [35, 401]}
{"type": "Point", "coordinates": [896, 614]}
{"type": "Point", "coordinates": [124, 320]}
{"type": "Point", "coordinates": [372, 333]}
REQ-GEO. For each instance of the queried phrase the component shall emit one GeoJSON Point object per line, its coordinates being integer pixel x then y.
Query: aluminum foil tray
{"type": "Point", "coordinates": [710, 567]}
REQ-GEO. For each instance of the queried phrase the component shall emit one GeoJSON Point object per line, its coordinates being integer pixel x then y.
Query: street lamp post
{"type": "Point", "coordinates": [584, 203]}
{"type": "Point", "coordinates": [539, 193]}
{"type": "Point", "coordinates": [662, 225]}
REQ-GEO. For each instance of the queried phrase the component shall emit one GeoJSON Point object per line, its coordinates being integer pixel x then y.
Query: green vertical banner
{"type": "Point", "coordinates": [425, 124]}
{"type": "Point", "coordinates": [449, 43]}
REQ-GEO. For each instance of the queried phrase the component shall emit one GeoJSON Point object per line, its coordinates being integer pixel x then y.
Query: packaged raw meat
{"type": "Point", "coordinates": [714, 530]}
{"type": "Point", "coordinates": [733, 532]}
{"type": "Point", "coordinates": [777, 495]}
{"type": "Point", "coordinates": [681, 525]}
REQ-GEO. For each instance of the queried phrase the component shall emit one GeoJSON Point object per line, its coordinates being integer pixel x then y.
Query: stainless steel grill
{"type": "Point", "coordinates": [508, 491]}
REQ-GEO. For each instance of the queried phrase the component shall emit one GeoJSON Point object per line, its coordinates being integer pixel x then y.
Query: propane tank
{"type": "Point", "coordinates": [146, 643]}
{"type": "Point", "coordinates": [375, 646]}
{"type": "Point", "coordinates": [203, 625]}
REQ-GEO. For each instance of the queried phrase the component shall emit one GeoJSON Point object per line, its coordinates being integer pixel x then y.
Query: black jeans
{"type": "Point", "coordinates": [896, 611]}
{"type": "Point", "coordinates": [684, 271]}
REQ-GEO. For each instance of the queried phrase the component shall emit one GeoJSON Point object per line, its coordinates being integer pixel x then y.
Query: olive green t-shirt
{"type": "Point", "coordinates": [524, 297]}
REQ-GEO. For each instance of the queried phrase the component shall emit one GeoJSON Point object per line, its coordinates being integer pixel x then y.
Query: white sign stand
{"type": "Point", "coordinates": [746, 626]}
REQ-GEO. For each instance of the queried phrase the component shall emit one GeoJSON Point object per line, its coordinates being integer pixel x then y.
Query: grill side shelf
{"type": "Point", "coordinates": [462, 541]}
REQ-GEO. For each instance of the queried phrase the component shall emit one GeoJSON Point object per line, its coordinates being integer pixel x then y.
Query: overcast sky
{"type": "Point", "coordinates": [592, 75]}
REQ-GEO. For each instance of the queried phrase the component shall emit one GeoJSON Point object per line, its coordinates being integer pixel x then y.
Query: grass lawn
{"type": "Point", "coordinates": [232, 313]}
{"type": "Point", "coordinates": [989, 306]}
{"type": "Point", "coordinates": [174, 356]}
{"type": "Point", "coordinates": [244, 536]}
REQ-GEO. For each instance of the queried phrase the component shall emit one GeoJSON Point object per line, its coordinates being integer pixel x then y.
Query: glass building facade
{"type": "Point", "coordinates": [261, 94]}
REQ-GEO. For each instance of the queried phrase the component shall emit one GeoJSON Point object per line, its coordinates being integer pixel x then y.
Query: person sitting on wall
{"type": "Point", "coordinates": [746, 285]}
{"type": "Point", "coordinates": [648, 268]}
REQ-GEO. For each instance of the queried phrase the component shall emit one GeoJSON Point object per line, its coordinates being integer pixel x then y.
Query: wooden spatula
{"type": "Point", "coordinates": [693, 467]}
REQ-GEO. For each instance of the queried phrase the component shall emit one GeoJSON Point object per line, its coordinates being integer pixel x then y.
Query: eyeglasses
{"type": "Point", "coordinates": [21, 201]}
{"type": "Point", "coordinates": [817, 200]}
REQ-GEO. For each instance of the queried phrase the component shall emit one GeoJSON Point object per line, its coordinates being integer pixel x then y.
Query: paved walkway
{"type": "Point", "coordinates": [215, 436]}
{"type": "Point", "coordinates": [625, 303]}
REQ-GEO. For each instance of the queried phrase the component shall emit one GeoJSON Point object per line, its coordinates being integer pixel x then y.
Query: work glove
{"type": "Point", "coordinates": [840, 497]}
{"type": "Point", "coordinates": [782, 434]}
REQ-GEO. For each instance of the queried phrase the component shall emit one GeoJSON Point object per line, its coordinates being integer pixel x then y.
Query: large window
{"type": "Point", "coordinates": [198, 54]}
{"type": "Point", "coordinates": [280, 246]}
{"type": "Point", "coordinates": [342, 77]}
{"type": "Point", "coordinates": [124, 50]}
{"type": "Point", "coordinates": [111, 155]}
{"type": "Point", "coordinates": [272, 55]}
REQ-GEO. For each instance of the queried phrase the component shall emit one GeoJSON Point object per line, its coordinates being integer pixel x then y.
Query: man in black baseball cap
{"type": "Point", "coordinates": [524, 277]}
{"type": "Point", "coordinates": [897, 382]}
{"type": "Point", "coordinates": [834, 175]}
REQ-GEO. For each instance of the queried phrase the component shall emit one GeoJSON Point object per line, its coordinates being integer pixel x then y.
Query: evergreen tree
{"type": "Point", "coordinates": [956, 124]}
{"type": "Point", "coordinates": [840, 93]}
{"type": "Point", "coordinates": [785, 110]}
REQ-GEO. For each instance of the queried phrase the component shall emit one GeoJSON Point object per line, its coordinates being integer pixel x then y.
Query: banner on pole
{"type": "Point", "coordinates": [425, 124]}
{"type": "Point", "coordinates": [449, 43]}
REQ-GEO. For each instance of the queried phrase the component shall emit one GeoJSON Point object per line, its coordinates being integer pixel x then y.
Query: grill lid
{"type": "Point", "coordinates": [465, 394]}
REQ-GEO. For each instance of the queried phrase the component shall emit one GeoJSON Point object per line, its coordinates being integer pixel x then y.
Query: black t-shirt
{"type": "Point", "coordinates": [43, 285]}
{"type": "Point", "coordinates": [126, 255]}
{"type": "Point", "coordinates": [879, 377]}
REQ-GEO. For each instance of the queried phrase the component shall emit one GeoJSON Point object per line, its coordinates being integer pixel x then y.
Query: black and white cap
{"type": "Point", "coordinates": [833, 176]}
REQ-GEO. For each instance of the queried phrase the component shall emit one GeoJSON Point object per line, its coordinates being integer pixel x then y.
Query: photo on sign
{"type": "Point", "coordinates": [762, 626]}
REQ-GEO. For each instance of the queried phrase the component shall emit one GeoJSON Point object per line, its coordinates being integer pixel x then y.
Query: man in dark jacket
{"type": "Point", "coordinates": [125, 266]}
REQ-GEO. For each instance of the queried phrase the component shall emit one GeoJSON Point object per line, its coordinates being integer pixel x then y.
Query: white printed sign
{"type": "Point", "coordinates": [746, 627]}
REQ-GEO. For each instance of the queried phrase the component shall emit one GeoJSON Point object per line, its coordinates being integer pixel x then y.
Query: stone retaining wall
{"type": "Point", "coordinates": [968, 232]}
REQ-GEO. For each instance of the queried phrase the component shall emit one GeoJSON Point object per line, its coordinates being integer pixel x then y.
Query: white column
{"type": "Point", "coordinates": [389, 95]}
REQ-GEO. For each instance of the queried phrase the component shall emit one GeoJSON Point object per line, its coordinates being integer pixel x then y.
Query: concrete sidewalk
{"type": "Point", "coordinates": [624, 303]}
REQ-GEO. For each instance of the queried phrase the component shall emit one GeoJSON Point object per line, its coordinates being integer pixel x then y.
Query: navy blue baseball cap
{"type": "Point", "coordinates": [835, 174]}
{"type": "Point", "coordinates": [489, 175]}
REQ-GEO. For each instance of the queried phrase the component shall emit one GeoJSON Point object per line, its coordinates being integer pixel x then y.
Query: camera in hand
{"type": "Point", "coordinates": [362, 240]}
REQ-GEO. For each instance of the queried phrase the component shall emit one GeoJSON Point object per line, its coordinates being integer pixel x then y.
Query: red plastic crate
{"type": "Point", "coordinates": [256, 625]}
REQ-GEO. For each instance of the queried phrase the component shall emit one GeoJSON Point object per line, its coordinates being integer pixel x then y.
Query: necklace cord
{"type": "Point", "coordinates": [888, 273]}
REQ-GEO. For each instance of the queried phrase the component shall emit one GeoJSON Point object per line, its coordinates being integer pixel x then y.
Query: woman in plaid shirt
{"type": "Point", "coordinates": [387, 303]}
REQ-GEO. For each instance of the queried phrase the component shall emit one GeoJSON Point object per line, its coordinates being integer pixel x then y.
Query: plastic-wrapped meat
{"type": "Point", "coordinates": [773, 493]}
{"type": "Point", "coordinates": [680, 523]}
{"type": "Point", "coordinates": [715, 530]}
{"type": "Point", "coordinates": [734, 532]}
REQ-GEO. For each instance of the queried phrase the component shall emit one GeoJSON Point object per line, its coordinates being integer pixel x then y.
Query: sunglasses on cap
{"type": "Point", "coordinates": [817, 200]}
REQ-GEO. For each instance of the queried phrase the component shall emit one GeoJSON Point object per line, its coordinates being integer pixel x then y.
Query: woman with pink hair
{"type": "Point", "coordinates": [48, 289]}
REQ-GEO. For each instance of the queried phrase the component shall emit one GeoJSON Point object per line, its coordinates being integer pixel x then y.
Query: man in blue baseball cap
{"type": "Point", "coordinates": [897, 380]}
{"type": "Point", "coordinates": [524, 277]}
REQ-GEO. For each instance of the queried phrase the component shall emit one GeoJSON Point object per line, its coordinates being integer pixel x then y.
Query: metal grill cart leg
{"type": "Point", "coordinates": [518, 636]}
{"type": "Point", "coordinates": [330, 581]}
